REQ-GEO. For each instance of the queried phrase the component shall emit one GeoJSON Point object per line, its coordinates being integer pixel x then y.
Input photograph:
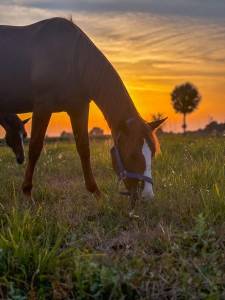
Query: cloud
{"type": "Point", "coordinates": [204, 8]}
{"type": "Point", "coordinates": [20, 15]}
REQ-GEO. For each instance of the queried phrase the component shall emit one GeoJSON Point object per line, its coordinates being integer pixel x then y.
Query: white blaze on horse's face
{"type": "Point", "coordinates": [147, 192]}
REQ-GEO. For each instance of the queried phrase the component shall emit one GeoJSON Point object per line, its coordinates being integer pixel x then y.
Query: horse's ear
{"type": "Point", "coordinates": [155, 124]}
{"type": "Point", "coordinates": [26, 121]}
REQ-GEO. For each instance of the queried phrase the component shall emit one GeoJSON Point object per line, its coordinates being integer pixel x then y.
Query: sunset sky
{"type": "Point", "coordinates": [153, 44]}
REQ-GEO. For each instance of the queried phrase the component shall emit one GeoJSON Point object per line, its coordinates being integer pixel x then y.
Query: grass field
{"type": "Point", "coordinates": [71, 246]}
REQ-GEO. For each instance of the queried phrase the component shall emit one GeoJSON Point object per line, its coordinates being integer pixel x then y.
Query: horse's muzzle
{"type": "Point", "coordinates": [147, 193]}
{"type": "Point", "coordinates": [20, 160]}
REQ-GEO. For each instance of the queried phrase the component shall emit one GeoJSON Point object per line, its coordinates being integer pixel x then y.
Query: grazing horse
{"type": "Point", "coordinates": [52, 66]}
{"type": "Point", "coordinates": [15, 134]}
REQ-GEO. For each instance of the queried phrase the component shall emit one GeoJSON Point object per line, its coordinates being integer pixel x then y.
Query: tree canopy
{"type": "Point", "coordinates": [185, 98]}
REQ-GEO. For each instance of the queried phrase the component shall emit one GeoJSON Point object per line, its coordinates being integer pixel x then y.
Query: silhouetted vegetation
{"type": "Point", "coordinates": [211, 129]}
{"type": "Point", "coordinates": [96, 131]}
{"type": "Point", "coordinates": [156, 117]}
{"type": "Point", "coordinates": [185, 99]}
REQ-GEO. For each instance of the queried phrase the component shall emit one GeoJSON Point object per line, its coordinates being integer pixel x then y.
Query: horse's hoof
{"type": "Point", "coordinates": [26, 188]}
{"type": "Point", "coordinates": [97, 194]}
{"type": "Point", "coordinates": [27, 193]}
{"type": "Point", "coordinates": [93, 189]}
{"type": "Point", "coordinates": [29, 198]}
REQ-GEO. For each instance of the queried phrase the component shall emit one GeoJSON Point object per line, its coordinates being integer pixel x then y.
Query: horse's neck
{"type": "Point", "coordinates": [112, 98]}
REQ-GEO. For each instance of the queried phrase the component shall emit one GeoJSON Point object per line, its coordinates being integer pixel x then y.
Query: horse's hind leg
{"type": "Point", "coordinates": [79, 121]}
{"type": "Point", "coordinates": [40, 120]}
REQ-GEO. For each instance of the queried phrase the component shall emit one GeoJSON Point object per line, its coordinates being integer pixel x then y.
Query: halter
{"type": "Point", "coordinates": [122, 172]}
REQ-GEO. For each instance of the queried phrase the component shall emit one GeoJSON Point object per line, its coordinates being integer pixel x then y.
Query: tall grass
{"type": "Point", "coordinates": [68, 245]}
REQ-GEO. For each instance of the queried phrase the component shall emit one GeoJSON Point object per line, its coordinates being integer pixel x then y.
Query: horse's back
{"type": "Point", "coordinates": [34, 58]}
{"type": "Point", "coordinates": [36, 39]}
{"type": "Point", "coordinates": [53, 55]}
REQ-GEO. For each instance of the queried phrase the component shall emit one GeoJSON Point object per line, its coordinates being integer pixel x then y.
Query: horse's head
{"type": "Point", "coordinates": [15, 135]}
{"type": "Point", "coordinates": [135, 146]}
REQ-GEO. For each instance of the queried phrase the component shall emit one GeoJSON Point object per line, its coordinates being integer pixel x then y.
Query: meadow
{"type": "Point", "coordinates": [68, 245]}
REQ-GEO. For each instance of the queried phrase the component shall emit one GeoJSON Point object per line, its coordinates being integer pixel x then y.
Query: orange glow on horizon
{"type": "Point", "coordinates": [149, 102]}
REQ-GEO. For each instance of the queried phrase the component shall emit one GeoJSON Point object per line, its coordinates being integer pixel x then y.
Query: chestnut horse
{"type": "Point", "coordinates": [52, 66]}
{"type": "Point", "coordinates": [15, 134]}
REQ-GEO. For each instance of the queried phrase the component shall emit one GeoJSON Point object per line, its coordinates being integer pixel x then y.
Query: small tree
{"type": "Point", "coordinates": [185, 99]}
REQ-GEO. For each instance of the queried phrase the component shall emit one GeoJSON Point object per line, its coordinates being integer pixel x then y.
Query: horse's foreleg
{"type": "Point", "coordinates": [79, 123]}
{"type": "Point", "coordinates": [40, 122]}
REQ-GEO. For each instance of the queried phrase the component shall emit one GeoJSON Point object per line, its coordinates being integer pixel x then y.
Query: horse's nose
{"type": "Point", "coordinates": [147, 193]}
{"type": "Point", "coordinates": [20, 159]}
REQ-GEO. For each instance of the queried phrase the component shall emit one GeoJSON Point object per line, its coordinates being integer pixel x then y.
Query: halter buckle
{"type": "Point", "coordinates": [123, 174]}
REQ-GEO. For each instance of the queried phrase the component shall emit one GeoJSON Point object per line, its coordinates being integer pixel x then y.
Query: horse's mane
{"type": "Point", "coordinates": [70, 18]}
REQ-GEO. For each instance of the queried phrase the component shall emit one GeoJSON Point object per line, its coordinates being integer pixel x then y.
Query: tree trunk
{"type": "Point", "coordinates": [184, 126]}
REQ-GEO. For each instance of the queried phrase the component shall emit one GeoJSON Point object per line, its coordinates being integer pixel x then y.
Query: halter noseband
{"type": "Point", "coordinates": [123, 173]}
